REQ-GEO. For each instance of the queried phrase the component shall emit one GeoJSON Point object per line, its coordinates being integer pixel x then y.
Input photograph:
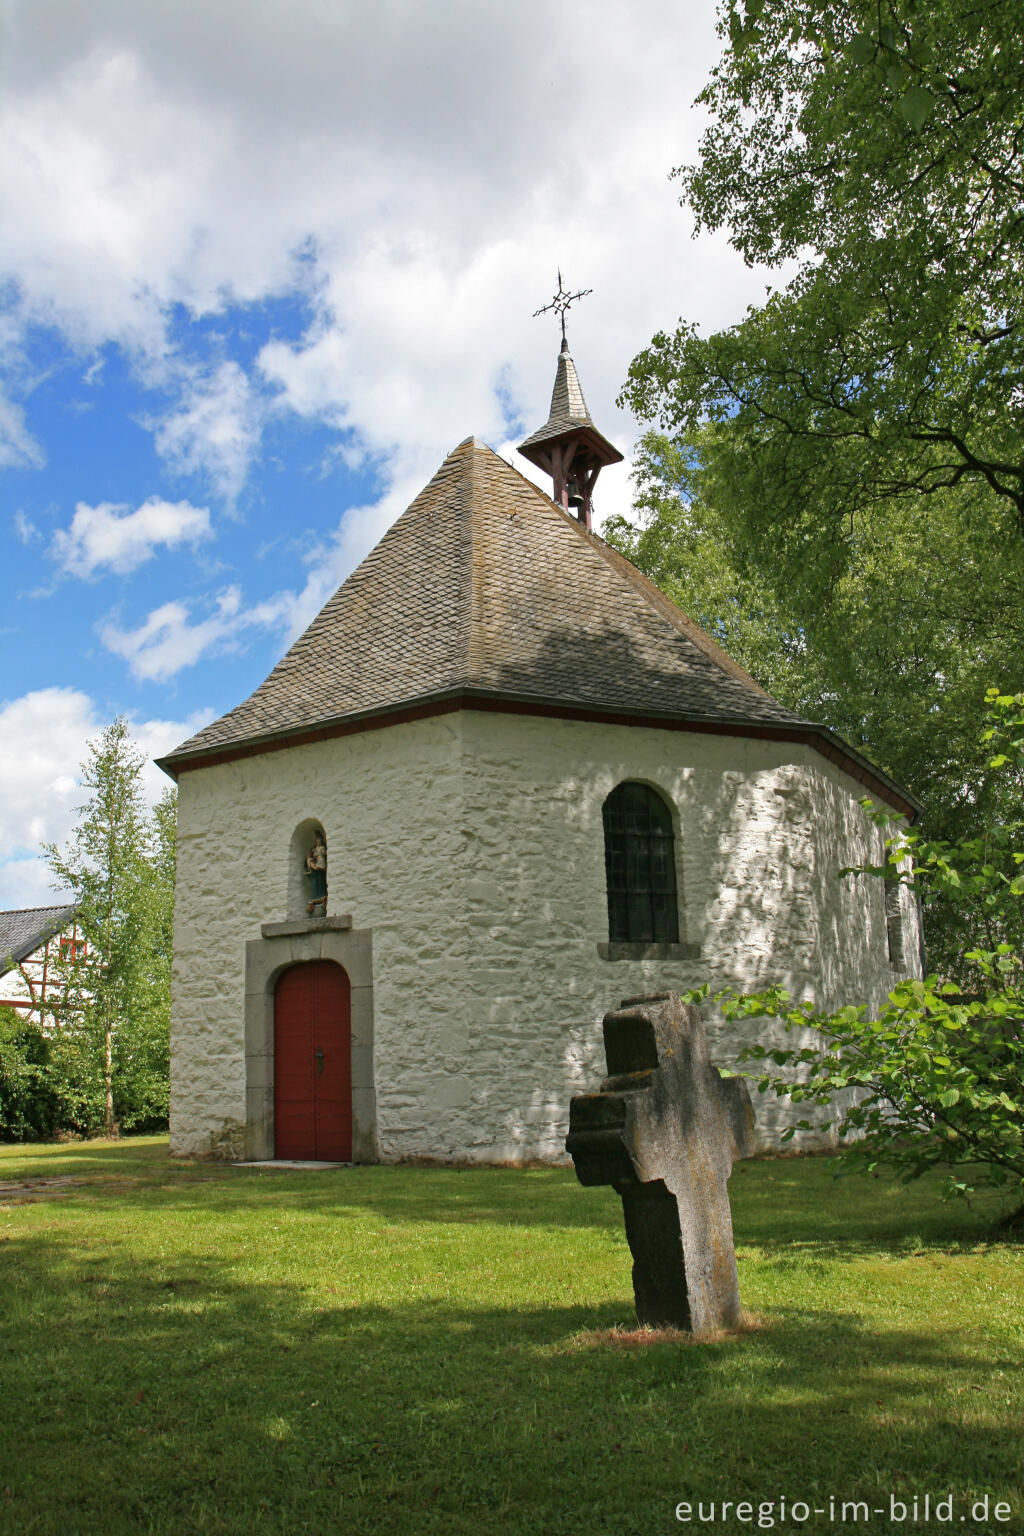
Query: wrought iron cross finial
{"type": "Point", "coordinates": [561, 301]}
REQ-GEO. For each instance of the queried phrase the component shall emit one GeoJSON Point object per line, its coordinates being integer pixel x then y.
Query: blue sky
{"type": "Point", "coordinates": [264, 264]}
{"type": "Point", "coordinates": [83, 561]}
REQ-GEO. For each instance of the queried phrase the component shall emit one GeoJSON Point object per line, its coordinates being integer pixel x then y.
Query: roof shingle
{"type": "Point", "coordinates": [568, 414]}
{"type": "Point", "coordinates": [485, 587]}
{"type": "Point", "coordinates": [26, 929]}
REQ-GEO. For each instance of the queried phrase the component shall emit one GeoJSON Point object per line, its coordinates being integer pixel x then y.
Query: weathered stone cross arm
{"type": "Point", "coordinates": [665, 1130]}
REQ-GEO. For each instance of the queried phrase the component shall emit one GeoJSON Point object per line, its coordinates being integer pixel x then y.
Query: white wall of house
{"type": "Point", "coordinates": [35, 978]}
{"type": "Point", "coordinates": [471, 845]}
{"type": "Point", "coordinates": [14, 985]}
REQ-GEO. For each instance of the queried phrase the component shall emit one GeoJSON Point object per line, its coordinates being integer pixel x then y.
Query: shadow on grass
{"type": "Point", "coordinates": [130, 1157]}
{"type": "Point", "coordinates": [180, 1396]}
{"type": "Point", "coordinates": [791, 1209]}
{"type": "Point", "coordinates": [798, 1207]}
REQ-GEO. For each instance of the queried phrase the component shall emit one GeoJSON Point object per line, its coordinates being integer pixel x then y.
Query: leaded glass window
{"type": "Point", "coordinates": [894, 922]}
{"type": "Point", "coordinates": [640, 866]}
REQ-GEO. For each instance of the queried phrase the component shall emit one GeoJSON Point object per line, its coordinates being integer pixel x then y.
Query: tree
{"type": "Point", "coordinates": [938, 1078]}
{"type": "Point", "coordinates": [110, 1052]}
{"type": "Point", "coordinates": [142, 1042]}
{"type": "Point", "coordinates": [880, 148]}
{"type": "Point", "coordinates": [893, 657]}
{"type": "Point", "coordinates": [28, 1106]}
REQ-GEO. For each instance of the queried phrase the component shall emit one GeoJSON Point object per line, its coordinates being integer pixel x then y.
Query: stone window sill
{"type": "Point", "coordinates": [620, 951]}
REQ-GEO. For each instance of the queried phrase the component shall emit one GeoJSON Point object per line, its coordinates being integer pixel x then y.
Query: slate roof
{"type": "Point", "coordinates": [484, 589]}
{"type": "Point", "coordinates": [27, 929]}
{"type": "Point", "coordinates": [568, 412]}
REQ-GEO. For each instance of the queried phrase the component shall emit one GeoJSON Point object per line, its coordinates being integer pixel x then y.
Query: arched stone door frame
{"type": "Point", "coordinates": [283, 945]}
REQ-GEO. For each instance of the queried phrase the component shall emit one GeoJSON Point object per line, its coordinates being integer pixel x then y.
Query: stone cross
{"type": "Point", "coordinates": [665, 1130]}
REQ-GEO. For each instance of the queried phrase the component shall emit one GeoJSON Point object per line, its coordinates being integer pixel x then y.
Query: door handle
{"type": "Point", "coordinates": [319, 1053]}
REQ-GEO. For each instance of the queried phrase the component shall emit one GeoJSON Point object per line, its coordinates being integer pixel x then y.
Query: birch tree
{"type": "Point", "coordinates": [105, 864]}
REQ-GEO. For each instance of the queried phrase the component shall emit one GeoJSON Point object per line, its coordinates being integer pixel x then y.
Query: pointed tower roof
{"type": "Point", "coordinates": [486, 595]}
{"type": "Point", "coordinates": [568, 415]}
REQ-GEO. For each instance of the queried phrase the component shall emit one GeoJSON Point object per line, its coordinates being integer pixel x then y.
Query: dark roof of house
{"type": "Point", "coordinates": [485, 590]}
{"type": "Point", "coordinates": [27, 929]}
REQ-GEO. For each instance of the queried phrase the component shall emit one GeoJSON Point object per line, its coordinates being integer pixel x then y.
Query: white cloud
{"type": "Point", "coordinates": [27, 882]}
{"type": "Point", "coordinates": [357, 533]}
{"type": "Point", "coordinates": [111, 536]}
{"type": "Point", "coordinates": [413, 174]}
{"type": "Point", "coordinates": [168, 641]}
{"type": "Point", "coordinates": [171, 638]}
{"type": "Point", "coordinates": [25, 529]}
{"type": "Point", "coordinates": [417, 172]}
{"type": "Point", "coordinates": [155, 738]}
{"type": "Point", "coordinates": [215, 429]}
{"type": "Point", "coordinates": [18, 448]}
{"type": "Point", "coordinates": [48, 732]}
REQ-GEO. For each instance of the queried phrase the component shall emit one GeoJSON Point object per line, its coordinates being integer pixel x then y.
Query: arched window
{"type": "Point", "coordinates": [640, 866]}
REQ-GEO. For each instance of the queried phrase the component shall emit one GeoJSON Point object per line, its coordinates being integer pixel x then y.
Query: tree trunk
{"type": "Point", "coordinates": [108, 1054]}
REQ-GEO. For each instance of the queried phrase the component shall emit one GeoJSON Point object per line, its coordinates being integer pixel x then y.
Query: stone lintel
{"type": "Point", "coordinates": [298, 925]}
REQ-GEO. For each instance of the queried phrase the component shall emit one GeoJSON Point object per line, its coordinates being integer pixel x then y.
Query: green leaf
{"type": "Point", "coordinates": [949, 1097]}
{"type": "Point", "coordinates": [861, 49]}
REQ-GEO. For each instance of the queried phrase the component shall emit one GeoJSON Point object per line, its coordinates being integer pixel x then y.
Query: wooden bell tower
{"type": "Point", "coordinates": [569, 447]}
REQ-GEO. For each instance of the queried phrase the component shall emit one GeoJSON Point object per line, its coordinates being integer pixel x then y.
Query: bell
{"type": "Point", "coordinates": [575, 496]}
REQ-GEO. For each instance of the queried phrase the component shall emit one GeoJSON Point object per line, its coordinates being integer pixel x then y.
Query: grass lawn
{"type": "Point", "coordinates": [189, 1348]}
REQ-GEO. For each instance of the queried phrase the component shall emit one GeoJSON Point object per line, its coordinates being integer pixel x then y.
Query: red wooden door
{"type": "Point", "coordinates": [313, 1063]}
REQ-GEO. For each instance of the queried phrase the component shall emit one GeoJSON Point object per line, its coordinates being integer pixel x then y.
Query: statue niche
{"type": "Point", "coordinates": [307, 871]}
{"type": "Point", "coordinates": [316, 874]}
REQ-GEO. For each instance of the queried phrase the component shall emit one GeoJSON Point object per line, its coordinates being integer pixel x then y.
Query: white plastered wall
{"type": "Point", "coordinates": [390, 804]}
{"type": "Point", "coordinates": [763, 829]}
{"type": "Point", "coordinates": [472, 846]}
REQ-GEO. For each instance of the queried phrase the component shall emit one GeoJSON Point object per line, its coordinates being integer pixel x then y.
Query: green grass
{"type": "Point", "coordinates": [188, 1348]}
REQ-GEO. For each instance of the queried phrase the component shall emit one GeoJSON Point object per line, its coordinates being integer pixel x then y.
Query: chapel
{"type": "Point", "coordinates": [499, 784]}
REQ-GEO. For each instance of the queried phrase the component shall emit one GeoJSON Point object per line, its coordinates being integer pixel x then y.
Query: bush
{"type": "Point", "coordinates": [104, 1063]}
{"type": "Point", "coordinates": [28, 1110]}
